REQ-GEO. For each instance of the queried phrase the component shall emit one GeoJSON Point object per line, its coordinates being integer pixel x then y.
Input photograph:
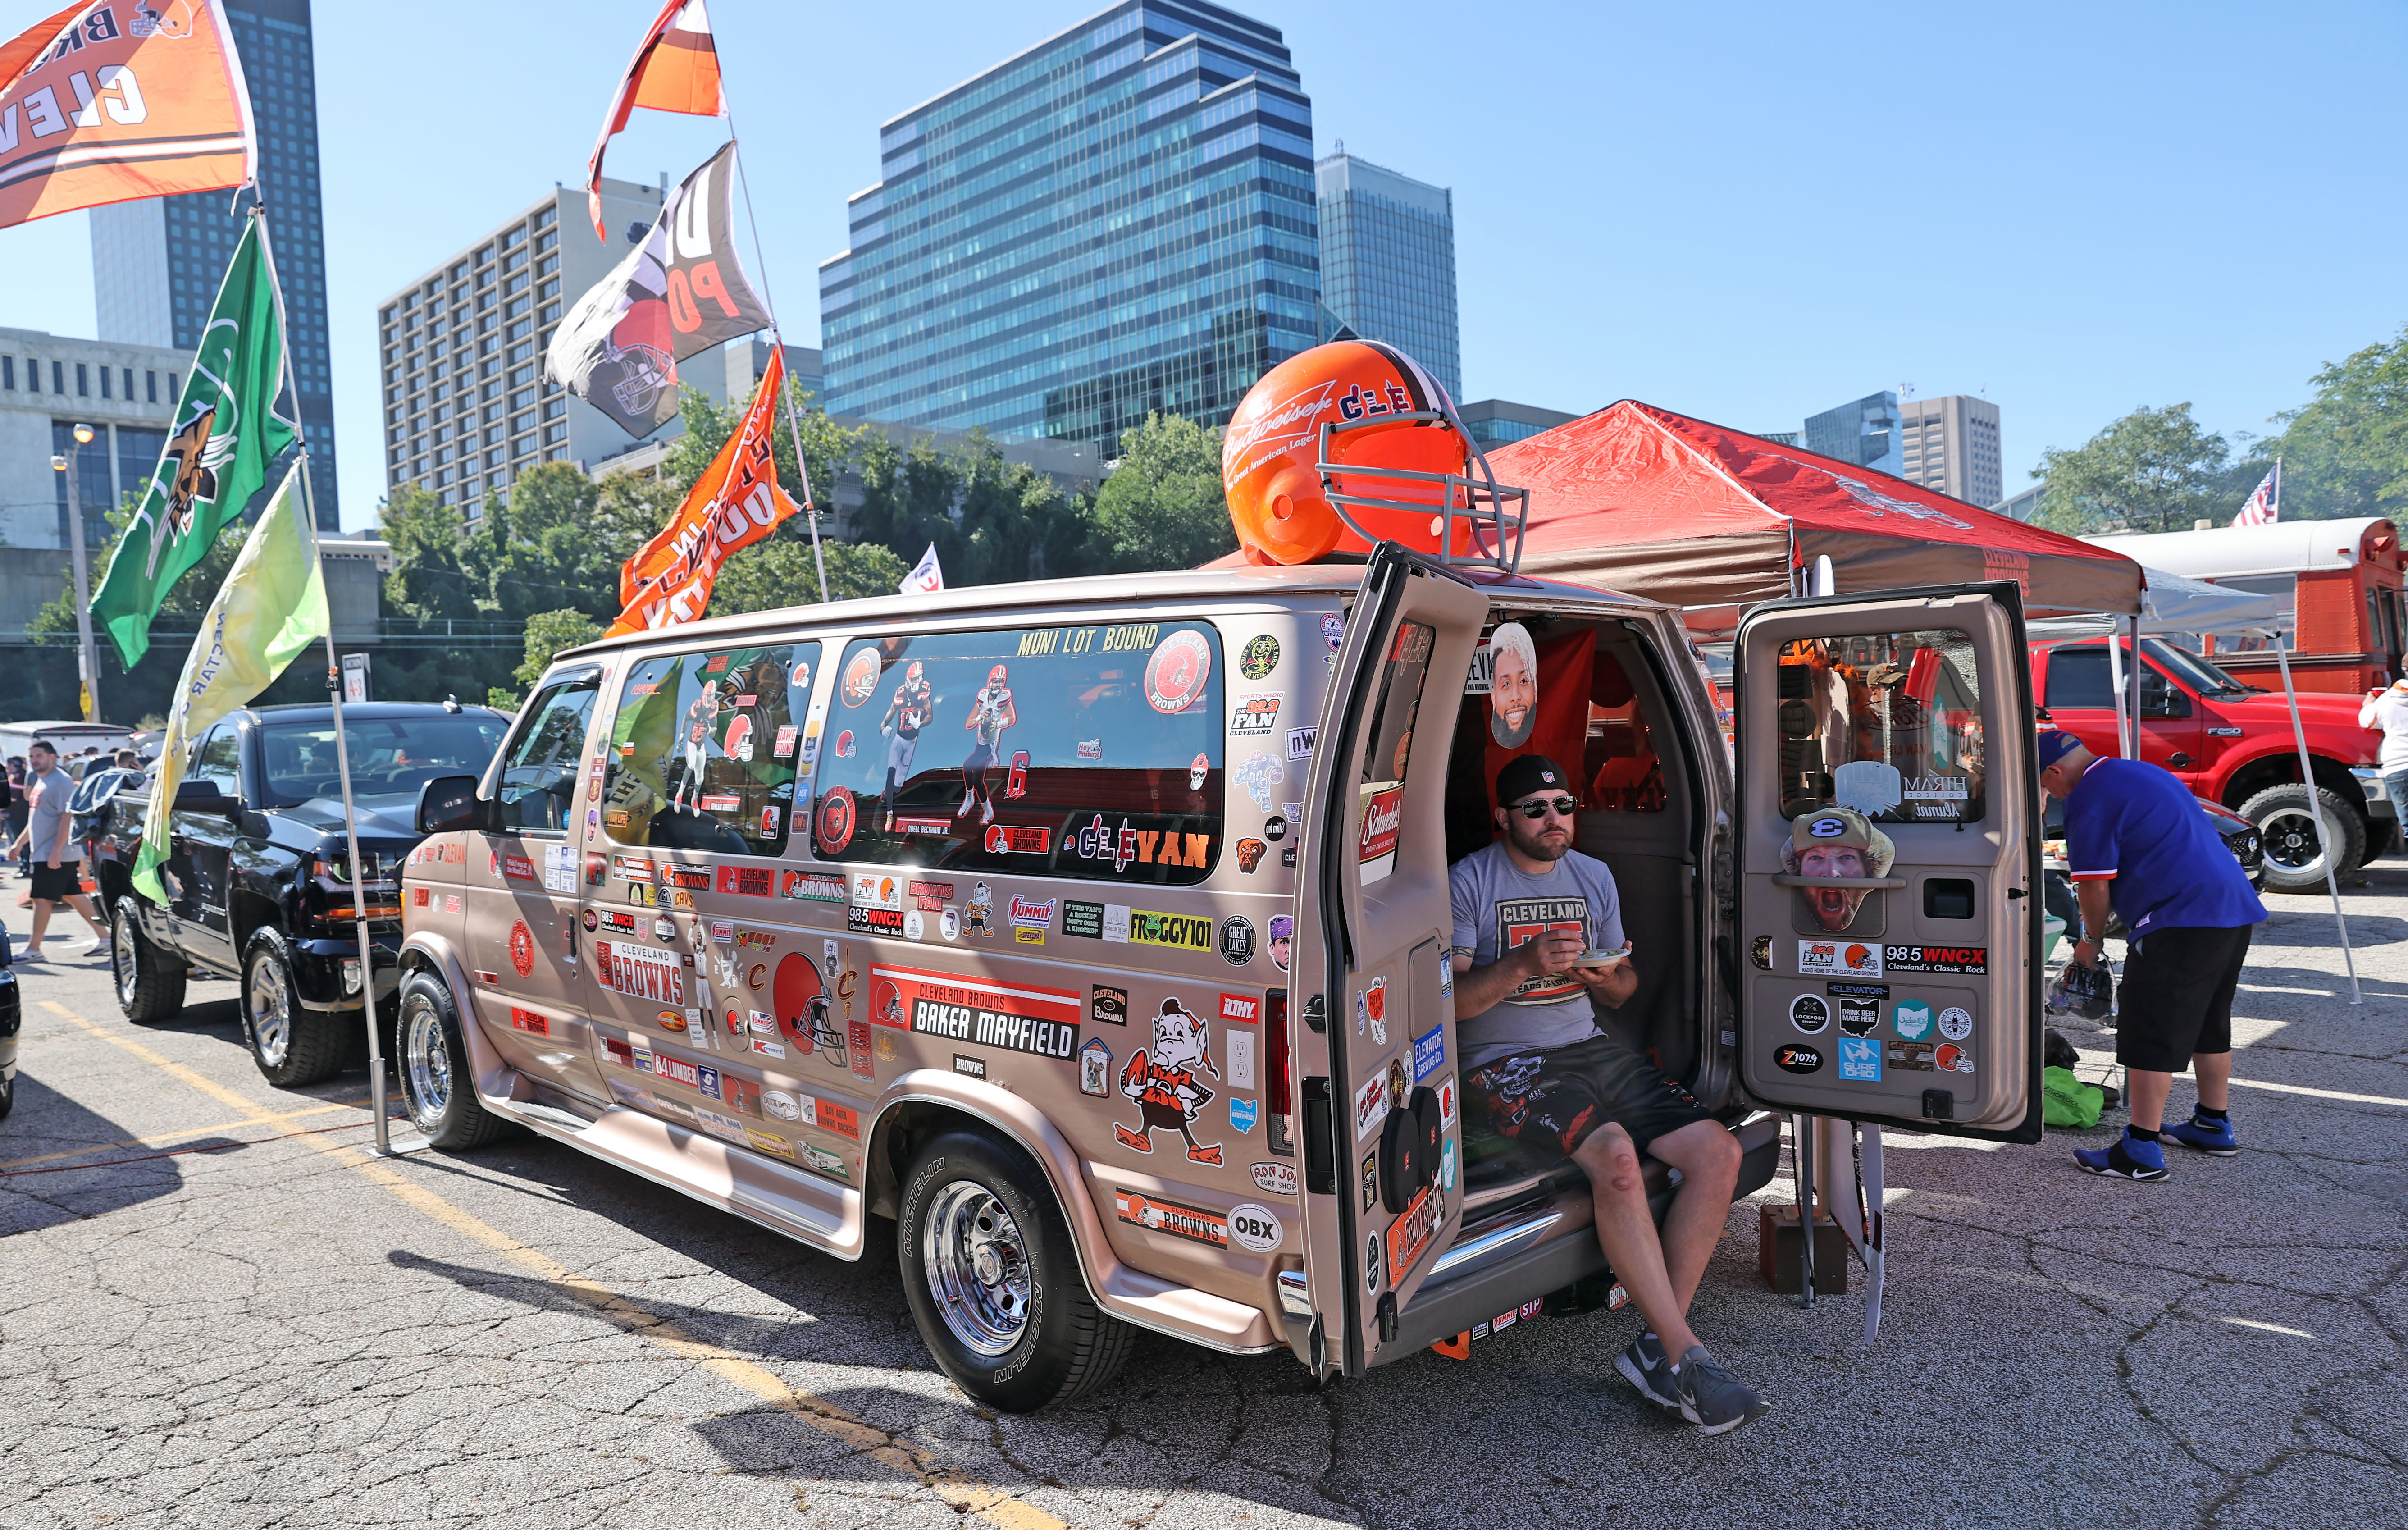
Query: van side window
{"type": "Point", "coordinates": [1889, 724]}
{"type": "Point", "coordinates": [1090, 752]}
{"type": "Point", "coordinates": [703, 751]}
{"type": "Point", "coordinates": [539, 769]}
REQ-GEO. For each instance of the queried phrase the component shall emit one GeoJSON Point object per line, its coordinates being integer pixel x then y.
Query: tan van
{"type": "Point", "coordinates": [1097, 932]}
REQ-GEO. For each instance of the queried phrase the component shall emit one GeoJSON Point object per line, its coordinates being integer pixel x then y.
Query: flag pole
{"type": "Point", "coordinates": [377, 1104]}
{"type": "Point", "coordinates": [794, 425]}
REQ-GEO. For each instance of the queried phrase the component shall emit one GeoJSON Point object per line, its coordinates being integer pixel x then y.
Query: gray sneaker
{"type": "Point", "coordinates": [1709, 1395]}
{"type": "Point", "coordinates": [1645, 1365]}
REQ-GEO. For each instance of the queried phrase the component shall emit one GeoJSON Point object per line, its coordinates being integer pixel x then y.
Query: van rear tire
{"type": "Point", "coordinates": [993, 1280]}
{"type": "Point", "coordinates": [2293, 862]}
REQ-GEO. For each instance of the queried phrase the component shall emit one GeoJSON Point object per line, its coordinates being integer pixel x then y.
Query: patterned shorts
{"type": "Point", "coordinates": [1552, 1099]}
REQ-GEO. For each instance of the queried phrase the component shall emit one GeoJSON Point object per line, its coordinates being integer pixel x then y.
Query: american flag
{"type": "Point", "coordinates": [2265, 501]}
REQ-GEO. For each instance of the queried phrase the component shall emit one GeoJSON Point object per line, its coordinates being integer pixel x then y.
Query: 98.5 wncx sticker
{"type": "Point", "coordinates": [1974, 960]}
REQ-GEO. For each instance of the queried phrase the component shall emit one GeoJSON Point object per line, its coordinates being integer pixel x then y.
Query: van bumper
{"type": "Point", "coordinates": [1521, 1263]}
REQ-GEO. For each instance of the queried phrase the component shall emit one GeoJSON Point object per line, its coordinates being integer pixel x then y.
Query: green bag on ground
{"type": "Point", "coordinates": [2069, 1101]}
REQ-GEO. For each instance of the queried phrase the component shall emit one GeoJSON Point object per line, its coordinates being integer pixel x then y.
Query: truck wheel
{"type": "Point", "coordinates": [2293, 862]}
{"type": "Point", "coordinates": [149, 986]}
{"type": "Point", "coordinates": [438, 1085]}
{"type": "Point", "coordinates": [994, 1281]}
{"type": "Point", "coordinates": [293, 1046]}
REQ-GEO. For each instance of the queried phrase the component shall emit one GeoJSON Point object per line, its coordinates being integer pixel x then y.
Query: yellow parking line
{"type": "Point", "coordinates": [988, 1502]}
{"type": "Point", "coordinates": [161, 1138]}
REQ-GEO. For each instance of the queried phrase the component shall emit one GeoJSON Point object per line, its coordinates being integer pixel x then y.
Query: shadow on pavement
{"type": "Point", "coordinates": [46, 1122]}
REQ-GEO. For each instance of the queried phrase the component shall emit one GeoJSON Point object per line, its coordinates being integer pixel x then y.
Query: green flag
{"type": "Point", "coordinates": [221, 442]}
{"type": "Point", "coordinates": [272, 605]}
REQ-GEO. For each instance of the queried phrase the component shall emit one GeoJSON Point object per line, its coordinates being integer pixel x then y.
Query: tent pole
{"type": "Point", "coordinates": [2317, 816]}
{"type": "Point", "coordinates": [2133, 681]}
{"type": "Point", "coordinates": [2116, 688]}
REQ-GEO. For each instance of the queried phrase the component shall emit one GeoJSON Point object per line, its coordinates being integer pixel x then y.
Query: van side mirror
{"type": "Point", "coordinates": [202, 797]}
{"type": "Point", "coordinates": [447, 804]}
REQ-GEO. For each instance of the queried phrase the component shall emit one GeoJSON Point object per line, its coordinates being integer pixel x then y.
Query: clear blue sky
{"type": "Point", "coordinates": [1745, 213]}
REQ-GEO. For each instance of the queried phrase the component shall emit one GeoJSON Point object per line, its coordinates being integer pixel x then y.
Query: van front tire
{"type": "Point", "coordinates": [994, 1281]}
{"type": "Point", "coordinates": [438, 1085]}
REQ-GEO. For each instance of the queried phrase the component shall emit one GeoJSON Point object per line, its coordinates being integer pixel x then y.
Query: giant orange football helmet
{"type": "Point", "coordinates": [1352, 443]}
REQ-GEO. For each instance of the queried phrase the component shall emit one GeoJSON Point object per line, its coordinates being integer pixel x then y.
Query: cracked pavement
{"type": "Point", "coordinates": [279, 1330]}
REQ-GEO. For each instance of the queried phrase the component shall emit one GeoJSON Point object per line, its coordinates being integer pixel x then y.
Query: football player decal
{"type": "Point", "coordinates": [991, 713]}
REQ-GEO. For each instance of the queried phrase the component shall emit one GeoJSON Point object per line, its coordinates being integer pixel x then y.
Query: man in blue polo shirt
{"type": "Point", "coordinates": [2136, 840]}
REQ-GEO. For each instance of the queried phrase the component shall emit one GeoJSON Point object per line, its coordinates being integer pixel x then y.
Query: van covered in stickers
{"type": "Point", "coordinates": [1097, 933]}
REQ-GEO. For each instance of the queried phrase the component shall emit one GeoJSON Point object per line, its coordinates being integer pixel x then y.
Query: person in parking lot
{"type": "Point", "coordinates": [2386, 711]}
{"type": "Point", "coordinates": [1538, 1070]}
{"type": "Point", "coordinates": [17, 788]}
{"type": "Point", "coordinates": [49, 829]}
{"type": "Point", "coordinates": [2135, 840]}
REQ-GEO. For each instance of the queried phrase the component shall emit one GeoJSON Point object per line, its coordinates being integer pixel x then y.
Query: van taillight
{"type": "Point", "coordinates": [1281, 1133]}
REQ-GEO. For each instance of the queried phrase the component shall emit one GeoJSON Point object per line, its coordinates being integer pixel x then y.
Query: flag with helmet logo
{"type": "Point", "coordinates": [734, 504]}
{"type": "Point", "coordinates": [679, 293]}
{"type": "Point", "coordinates": [110, 102]}
{"type": "Point", "coordinates": [222, 439]}
{"type": "Point", "coordinates": [676, 68]}
{"type": "Point", "coordinates": [272, 605]}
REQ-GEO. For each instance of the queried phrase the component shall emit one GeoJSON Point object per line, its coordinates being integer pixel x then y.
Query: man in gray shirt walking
{"type": "Point", "coordinates": [49, 832]}
{"type": "Point", "coordinates": [1533, 923]}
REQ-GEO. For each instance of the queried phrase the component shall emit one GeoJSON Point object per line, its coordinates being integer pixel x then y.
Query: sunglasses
{"type": "Point", "coordinates": [1540, 806]}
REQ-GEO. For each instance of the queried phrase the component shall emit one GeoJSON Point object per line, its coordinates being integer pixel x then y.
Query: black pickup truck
{"type": "Point", "coordinates": [258, 871]}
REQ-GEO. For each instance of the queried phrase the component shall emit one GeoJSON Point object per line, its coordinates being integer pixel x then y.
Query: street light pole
{"type": "Point", "coordinates": [87, 658]}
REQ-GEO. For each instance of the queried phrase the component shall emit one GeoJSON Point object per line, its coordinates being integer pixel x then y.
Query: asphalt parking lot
{"type": "Point", "coordinates": [216, 1309]}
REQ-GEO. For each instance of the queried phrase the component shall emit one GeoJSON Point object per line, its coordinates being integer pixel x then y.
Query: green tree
{"type": "Point", "coordinates": [431, 578]}
{"type": "Point", "coordinates": [778, 570]}
{"type": "Point", "coordinates": [547, 632]}
{"type": "Point", "coordinates": [1162, 506]}
{"type": "Point", "coordinates": [2346, 451]}
{"type": "Point", "coordinates": [2153, 470]}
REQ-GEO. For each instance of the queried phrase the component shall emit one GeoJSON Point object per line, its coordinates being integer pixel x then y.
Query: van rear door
{"type": "Point", "coordinates": [1375, 1051]}
{"type": "Point", "coordinates": [1894, 974]}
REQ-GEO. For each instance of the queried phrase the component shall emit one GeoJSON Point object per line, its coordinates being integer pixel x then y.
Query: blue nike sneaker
{"type": "Point", "coordinates": [2211, 1138]}
{"type": "Point", "coordinates": [2127, 1157]}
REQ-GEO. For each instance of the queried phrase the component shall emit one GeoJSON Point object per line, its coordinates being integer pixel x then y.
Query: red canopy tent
{"type": "Point", "coordinates": [1657, 504]}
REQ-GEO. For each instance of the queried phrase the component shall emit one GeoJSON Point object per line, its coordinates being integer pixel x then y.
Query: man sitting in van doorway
{"type": "Point", "coordinates": [1531, 915]}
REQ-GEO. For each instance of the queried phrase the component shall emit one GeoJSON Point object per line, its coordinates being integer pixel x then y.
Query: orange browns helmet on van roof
{"type": "Point", "coordinates": [1393, 415]}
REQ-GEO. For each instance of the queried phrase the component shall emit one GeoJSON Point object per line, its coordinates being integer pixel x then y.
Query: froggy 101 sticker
{"type": "Point", "coordinates": [1176, 673]}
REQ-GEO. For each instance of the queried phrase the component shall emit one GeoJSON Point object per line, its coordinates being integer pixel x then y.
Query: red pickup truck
{"type": "Point", "coordinates": [2232, 744]}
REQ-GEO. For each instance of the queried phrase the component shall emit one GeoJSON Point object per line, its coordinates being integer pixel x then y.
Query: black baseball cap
{"type": "Point", "coordinates": [1526, 774]}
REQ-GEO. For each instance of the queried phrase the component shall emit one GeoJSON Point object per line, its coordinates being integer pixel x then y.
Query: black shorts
{"type": "Point", "coordinates": [2177, 996]}
{"type": "Point", "coordinates": [57, 883]}
{"type": "Point", "coordinates": [1553, 1098]}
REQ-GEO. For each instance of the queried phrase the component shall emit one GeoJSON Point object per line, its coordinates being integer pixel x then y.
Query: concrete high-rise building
{"type": "Point", "coordinates": [1388, 261]}
{"type": "Point", "coordinates": [1864, 433]}
{"type": "Point", "coordinates": [1117, 220]}
{"type": "Point", "coordinates": [156, 264]}
{"type": "Point", "coordinates": [1951, 446]}
{"type": "Point", "coordinates": [461, 350]}
{"type": "Point", "coordinates": [47, 386]}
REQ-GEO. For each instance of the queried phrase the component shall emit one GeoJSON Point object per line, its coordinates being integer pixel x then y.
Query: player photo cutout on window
{"type": "Point", "coordinates": [1835, 842]}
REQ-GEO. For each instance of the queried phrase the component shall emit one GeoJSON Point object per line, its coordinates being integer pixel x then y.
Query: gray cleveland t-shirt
{"type": "Point", "coordinates": [1498, 906]}
{"type": "Point", "coordinates": [56, 789]}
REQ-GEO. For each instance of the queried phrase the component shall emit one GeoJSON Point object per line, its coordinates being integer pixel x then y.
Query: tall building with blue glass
{"type": "Point", "coordinates": [1118, 220]}
{"type": "Point", "coordinates": [1865, 433]}
{"type": "Point", "coordinates": [156, 264]}
{"type": "Point", "coordinates": [1387, 262]}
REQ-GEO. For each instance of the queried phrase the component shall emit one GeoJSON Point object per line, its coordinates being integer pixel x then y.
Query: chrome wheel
{"type": "Point", "coordinates": [425, 1060]}
{"type": "Point", "coordinates": [271, 1018]}
{"type": "Point", "coordinates": [977, 1268]}
{"type": "Point", "coordinates": [121, 954]}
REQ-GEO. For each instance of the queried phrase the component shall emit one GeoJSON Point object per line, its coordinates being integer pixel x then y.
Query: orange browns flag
{"type": "Point", "coordinates": [112, 101]}
{"type": "Point", "coordinates": [675, 69]}
{"type": "Point", "coordinates": [735, 504]}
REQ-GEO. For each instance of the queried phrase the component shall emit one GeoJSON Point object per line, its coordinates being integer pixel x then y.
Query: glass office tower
{"type": "Point", "coordinates": [1865, 433]}
{"type": "Point", "coordinates": [156, 264]}
{"type": "Point", "coordinates": [1118, 220]}
{"type": "Point", "coordinates": [1387, 262]}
